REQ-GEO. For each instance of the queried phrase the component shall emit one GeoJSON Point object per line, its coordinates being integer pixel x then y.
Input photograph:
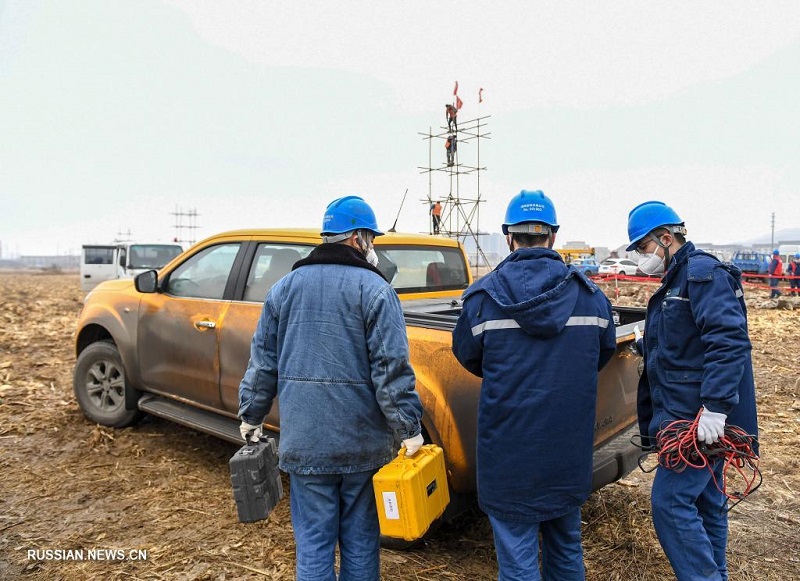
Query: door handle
{"type": "Point", "coordinates": [205, 324]}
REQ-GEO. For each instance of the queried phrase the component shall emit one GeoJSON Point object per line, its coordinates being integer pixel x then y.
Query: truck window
{"type": "Point", "coordinates": [147, 256]}
{"type": "Point", "coordinates": [205, 274]}
{"type": "Point", "coordinates": [420, 269]}
{"type": "Point", "coordinates": [270, 264]}
{"type": "Point", "coordinates": [98, 255]}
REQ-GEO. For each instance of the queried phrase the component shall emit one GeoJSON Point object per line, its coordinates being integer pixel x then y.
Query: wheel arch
{"type": "Point", "coordinates": [92, 333]}
{"type": "Point", "coordinates": [89, 334]}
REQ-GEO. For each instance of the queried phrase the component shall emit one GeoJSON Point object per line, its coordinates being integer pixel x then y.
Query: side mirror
{"type": "Point", "coordinates": [146, 282]}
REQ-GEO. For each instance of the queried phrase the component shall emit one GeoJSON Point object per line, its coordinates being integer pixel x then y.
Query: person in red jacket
{"type": "Point", "coordinates": [793, 270]}
{"type": "Point", "coordinates": [775, 273]}
{"type": "Point", "coordinates": [450, 145]}
{"type": "Point", "coordinates": [436, 216]}
{"type": "Point", "coordinates": [450, 114]}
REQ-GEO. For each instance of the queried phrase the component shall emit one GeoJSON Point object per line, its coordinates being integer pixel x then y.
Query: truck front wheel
{"type": "Point", "coordinates": [99, 386]}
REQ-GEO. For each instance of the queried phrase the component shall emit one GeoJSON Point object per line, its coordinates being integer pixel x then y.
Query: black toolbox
{"type": "Point", "coordinates": [256, 479]}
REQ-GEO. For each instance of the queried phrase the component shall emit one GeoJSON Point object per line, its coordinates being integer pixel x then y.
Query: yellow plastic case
{"type": "Point", "coordinates": [411, 492]}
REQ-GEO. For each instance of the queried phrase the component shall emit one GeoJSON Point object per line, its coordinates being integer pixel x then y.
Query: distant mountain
{"type": "Point", "coordinates": [786, 235]}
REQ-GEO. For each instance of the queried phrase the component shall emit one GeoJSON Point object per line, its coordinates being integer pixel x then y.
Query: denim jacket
{"type": "Point", "coordinates": [331, 344]}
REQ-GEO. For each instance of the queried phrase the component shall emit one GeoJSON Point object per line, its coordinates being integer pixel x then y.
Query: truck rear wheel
{"type": "Point", "coordinates": [99, 386]}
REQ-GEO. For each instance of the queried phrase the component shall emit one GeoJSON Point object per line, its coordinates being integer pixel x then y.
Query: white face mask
{"type": "Point", "coordinates": [372, 257]}
{"type": "Point", "coordinates": [651, 263]}
{"type": "Point", "coordinates": [369, 251]}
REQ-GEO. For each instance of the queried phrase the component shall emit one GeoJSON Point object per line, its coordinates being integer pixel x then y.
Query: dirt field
{"type": "Point", "coordinates": [69, 485]}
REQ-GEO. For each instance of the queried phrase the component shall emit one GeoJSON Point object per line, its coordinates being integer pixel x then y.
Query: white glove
{"type": "Point", "coordinates": [711, 426]}
{"type": "Point", "coordinates": [412, 445]}
{"type": "Point", "coordinates": [251, 432]}
{"type": "Point", "coordinates": [637, 333]}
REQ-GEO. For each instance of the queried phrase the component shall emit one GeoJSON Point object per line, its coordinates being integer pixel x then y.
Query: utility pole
{"type": "Point", "coordinates": [772, 239]}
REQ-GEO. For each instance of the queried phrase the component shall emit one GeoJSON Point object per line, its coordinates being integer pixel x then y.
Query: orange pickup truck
{"type": "Point", "coordinates": [175, 344]}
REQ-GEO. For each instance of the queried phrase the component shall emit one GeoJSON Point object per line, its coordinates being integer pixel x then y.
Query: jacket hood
{"type": "Point", "coordinates": [535, 288]}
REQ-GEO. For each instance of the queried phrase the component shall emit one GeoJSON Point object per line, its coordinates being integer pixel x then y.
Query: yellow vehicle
{"type": "Point", "coordinates": [571, 255]}
{"type": "Point", "coordinates": [175, 344]}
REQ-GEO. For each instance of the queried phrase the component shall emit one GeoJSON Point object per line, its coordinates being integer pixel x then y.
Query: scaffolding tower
{"type": "Point", "coordinates": [185, 232]}
{"type": "Point", "coordinates": [460, 214]}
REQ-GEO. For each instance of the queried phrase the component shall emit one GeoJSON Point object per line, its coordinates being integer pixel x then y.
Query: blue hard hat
{"type": "Point", "coordinates": [775, 251]}
{"type": "Point", "coordinates": [648, 216]}
{"type": "Point", "coordinates": [797, 254]}
{"type": "Point", "coordinates": [348, 214]}
{"type": "Point", "coordinates": [530, 206]}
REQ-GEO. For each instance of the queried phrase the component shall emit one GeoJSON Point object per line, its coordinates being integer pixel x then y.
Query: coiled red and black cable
{"type": "Point", "coordinates": [678, 448]}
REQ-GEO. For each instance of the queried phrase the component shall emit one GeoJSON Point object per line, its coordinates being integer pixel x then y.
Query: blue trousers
{"type": "Point", "coordinates": [331, 508]}
{"type": "Point", "coordinates": [773, 284]}
{"type": "Point", "coordinates": [517, 546]}
{"type": "Point", "coordinates": [691, 523]}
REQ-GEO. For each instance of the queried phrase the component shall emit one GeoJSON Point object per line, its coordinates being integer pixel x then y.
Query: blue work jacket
{"type": "Point", "coordinates": [696, 346]}
{"type": "Point", "coordinates": [538, 332]}
{"type": "Point", "coordinates": [331, 345]}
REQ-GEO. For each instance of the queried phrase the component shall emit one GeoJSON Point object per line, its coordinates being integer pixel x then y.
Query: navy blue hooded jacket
{"type": "Point", "coordinates": [538, 332]}
{"type": "Point", "coordinates": [696, 346]}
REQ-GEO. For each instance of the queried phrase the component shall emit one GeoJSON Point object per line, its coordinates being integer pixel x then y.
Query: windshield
{"type": "Point", "coordinates": [152, 255]}
{"type": "Point", "coordinates": [420, 269]}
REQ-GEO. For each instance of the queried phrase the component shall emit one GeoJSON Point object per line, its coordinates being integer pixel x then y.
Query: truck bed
{"type": "Point", "coordinates": [444, 385]}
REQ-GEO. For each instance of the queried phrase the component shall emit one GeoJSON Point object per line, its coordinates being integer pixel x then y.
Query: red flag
{"type": "Point", "coordinates": [455, 90]}
{"type": "Point", "coordinates": [459, 102]}
{"type": "Point", "coordinates": [480, 95]}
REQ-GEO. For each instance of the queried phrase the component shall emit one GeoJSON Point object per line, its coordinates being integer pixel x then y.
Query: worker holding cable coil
{"type": "Point", "coordinates": [696, 399]}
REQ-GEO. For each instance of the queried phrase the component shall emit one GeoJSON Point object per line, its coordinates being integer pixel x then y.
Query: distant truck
{"type": "Point", "coordinates": [751, 263]}
{"type": "Point", "coordinates": [108, 262]}
{"type": "Point", "coordinates": [787, 252]}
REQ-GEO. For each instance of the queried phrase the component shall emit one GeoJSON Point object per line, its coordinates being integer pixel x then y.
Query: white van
{"type": "Point", "coordinates": [107, 262]}
{"type": "Point", "coordinates": [787, 252]}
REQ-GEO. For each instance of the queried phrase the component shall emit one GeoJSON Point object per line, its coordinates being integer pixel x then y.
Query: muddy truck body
{"type": "Point", "coordinates": [175, 344]}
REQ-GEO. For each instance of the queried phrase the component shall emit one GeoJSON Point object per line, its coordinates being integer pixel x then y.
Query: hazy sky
{"type": "Point", "coordinates": [257, 114]}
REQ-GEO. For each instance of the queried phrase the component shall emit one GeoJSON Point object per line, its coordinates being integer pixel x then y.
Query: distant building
{"type": "Point", "coordinates": [493, 245]}
{"type": "Point", "coordinates": [60, 262]}
{"type": "Point", "coordinates": [10, 264]}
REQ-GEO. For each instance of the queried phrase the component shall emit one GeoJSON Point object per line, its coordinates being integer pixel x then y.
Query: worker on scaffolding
{"type": "Point", "coordinates": [450, 114]}
{"type": "Point", "coordinates": [450, 145]}
{"type": "Point", "coordinates": [436, 216]}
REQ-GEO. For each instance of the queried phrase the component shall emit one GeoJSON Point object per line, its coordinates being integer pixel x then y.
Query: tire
{"type": "Point", "coordinates": [99, 385]}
